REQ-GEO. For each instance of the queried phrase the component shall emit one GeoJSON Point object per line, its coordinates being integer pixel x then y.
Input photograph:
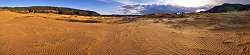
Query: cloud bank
{"type": "Point", "coordinates": [169, 6]}
{"type": "Point", "coordinates": [173, 2]}
{"type": "Point", "coordinates": [149, 9]}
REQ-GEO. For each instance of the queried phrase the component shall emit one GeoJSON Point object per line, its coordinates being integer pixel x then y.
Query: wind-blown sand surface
{"type": "Point", "coordinates": [40, 34]}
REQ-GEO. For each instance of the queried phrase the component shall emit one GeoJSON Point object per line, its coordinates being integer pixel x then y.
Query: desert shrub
{"type": "Point", "coordinates": [86, 21]}
{"type": "Point", "coordinates": [125, 20]}
{"type": "Point", "coordinates": [82, 21]}
{"type": "Point", "coordinates": [159, 15]}
{"type": "Point", "coordinates": [163, 15]}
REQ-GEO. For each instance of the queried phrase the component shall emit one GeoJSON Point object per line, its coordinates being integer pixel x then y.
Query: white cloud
{"type": "Point", "coordinates": [179, 2]}
{"type": "Point", "coordinates": [149, 9]}
{"type": "Point", "coordinates": [169, 6]}
{"type": "Point", "coordinates": [164, 2]}
{"type": "Point", "coordinates": [131, 2]}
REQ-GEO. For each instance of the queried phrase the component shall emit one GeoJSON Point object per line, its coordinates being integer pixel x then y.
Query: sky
{"type": "Point", "coordinates": [114, 6]}
{"type": "Point", "coordinates": [93, 5]}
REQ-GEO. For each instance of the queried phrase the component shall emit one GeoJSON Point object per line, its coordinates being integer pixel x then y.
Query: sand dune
{"type": "Point", "coordinates": [42, 34]}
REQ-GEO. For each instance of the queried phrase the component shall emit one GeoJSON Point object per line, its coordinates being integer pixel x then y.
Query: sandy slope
{"type": "Point", "coordinates": [31, 34]}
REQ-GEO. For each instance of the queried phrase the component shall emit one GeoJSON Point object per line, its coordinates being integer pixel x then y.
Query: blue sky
{"type": "Point", "coordinates": [112, 6]}
{"type": "Point", "coordinates": [94, 5]}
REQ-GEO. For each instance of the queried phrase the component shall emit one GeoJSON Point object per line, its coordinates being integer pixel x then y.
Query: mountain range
{"type": "Point", "coordinates": [50, 9]}
{"type": "Point", "coordinates": [228, 8]}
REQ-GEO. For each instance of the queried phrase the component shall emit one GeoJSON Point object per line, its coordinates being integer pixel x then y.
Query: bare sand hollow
{"type": "Point", "coordinates": [29, 34]}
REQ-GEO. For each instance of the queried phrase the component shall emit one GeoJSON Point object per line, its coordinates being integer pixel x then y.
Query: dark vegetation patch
{"type": "Point", "coordinates": [86, 21]}
{"type": "Point", "coordinates": [163, 15]}
{"type": "Point", "coordinates": [125, 20]}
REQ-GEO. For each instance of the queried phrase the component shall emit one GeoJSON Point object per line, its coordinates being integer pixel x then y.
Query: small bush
{"type": "Point", "coordinates": [86, 21]}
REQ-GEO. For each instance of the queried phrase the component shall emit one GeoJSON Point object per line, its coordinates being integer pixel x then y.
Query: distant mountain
{"type": "Point", "coordinates": [229, 7]}
{"type": "Point", "coordinates": [50, 9]}
{"type": "Point", "coordinates": [248, 5]}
